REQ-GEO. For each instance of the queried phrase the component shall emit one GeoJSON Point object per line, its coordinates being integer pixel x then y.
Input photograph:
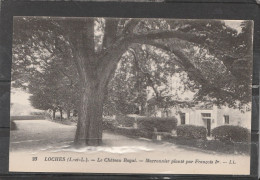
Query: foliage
{"type": "Point", "coordinates": [108, 125]}
{"type": "Point", "coordinates": [126, 90]}
{"type": "Point", "coordinates": [38, 113]}
{"type": "Point", "coordinates": [230, 133]}
{"type": "Point", "coordinates": [32, 117]}
{"type": "Point", "coordinates": [126, 131]}
{"type": "Point", "coordinates": [160, 124]}
{"type": "Point", "coordinates": [223, 54]}
{"type": "Point", "coordinates": [125, 121]}
{"type": "Point", "coordinates": [191, 131]}
{"type": "Point", "coordinates": [132, 132]}
{"type": "Point", "coordinates": [59, 58]}
{"type": "Point", "coordinates": [45, 114]}
{"type": "Point", "coordinates": [50, 90]}
{"type": "Point", "coordinates": [212, 145]}
{"type": "Point", "coordinates": [42, 65]}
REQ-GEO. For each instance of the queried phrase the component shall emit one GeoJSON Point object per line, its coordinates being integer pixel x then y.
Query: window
{"type": "Point", "coordinates": [206, 115]}
{"type": "Point", "coordinates": [182, 116]}
{"type": "Point", "coordinates": [226, 119]}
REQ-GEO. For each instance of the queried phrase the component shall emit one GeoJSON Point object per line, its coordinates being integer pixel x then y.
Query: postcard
{"type": "Point", "coordinates": [131, 95]}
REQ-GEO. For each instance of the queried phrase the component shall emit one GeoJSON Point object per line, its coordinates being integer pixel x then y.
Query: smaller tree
{"type": "Point", "coordinates": [53, 89]}
{"type": "Point", "coordinates": [44, 97]}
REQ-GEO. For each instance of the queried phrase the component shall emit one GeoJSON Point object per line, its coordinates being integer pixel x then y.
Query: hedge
{"type": "Point", "coordinates": [231, 133]}
{"type": "Point", "coordinates": [30, 117]}
{"type": "Point", "coordinates": [191, 131]}
{"type": "Point", "coordinates": [127, 131]}
{"type": "Point", "coordinates": [146, 126]}
{"type": "Point", "coordinates": [161, 124]}
{"type": "Point", "coordinates": [109, 125]}
{"type": "Point", "coordinates": [132, 132]}
{"type": "Point", "coordinates": [125, 121]}
{"type": "Point", "coordinates": [212, 145]}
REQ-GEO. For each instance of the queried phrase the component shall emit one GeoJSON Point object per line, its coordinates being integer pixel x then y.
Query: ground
{"type": "Point", "coordinates": [46, 139]}
{"type": "Point", "coordinates": [44, 135]}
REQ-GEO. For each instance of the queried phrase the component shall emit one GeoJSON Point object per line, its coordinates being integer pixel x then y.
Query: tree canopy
{"type": "Point", "coordinates": [215, 57]}
{"type": "Point", "coordinates": [115, 61]}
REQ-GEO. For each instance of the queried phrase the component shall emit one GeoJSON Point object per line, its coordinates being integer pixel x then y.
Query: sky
{"type": "Point", "coordinates": [19, 96]}
{"type": "Point", "coordinates": [235, 24]}
{"type": "Point", "coordinates": [21, 104]}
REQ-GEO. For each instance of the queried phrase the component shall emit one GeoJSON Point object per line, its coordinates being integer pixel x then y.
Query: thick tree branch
{"type": "Point", "coordinates": [141, 38]}
{"type": "Point", "coordinates": [108, 61]}
{"type": "Point", "coordinates": [162, 47]}
{"type": "Point", "coordinates": [130, 25]}
{"type": "Point", "coordinates": [88, 37]}
{"type": "Point", "coordinates": [197, 76]}
{"type": "Point", "coordinates": [193, 38]}
{"type": "Point", "coordinates": [110, 32]}
{"type": "Point", "coordinates": [111, 42]}
{"type": "Point", "coordinates": [192, 71]}
{"type": "Point", "coordinates": [80, 35]}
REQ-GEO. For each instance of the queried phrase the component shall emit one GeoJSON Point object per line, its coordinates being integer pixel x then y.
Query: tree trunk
{"type": "Point", "coordinates": [89, 127]}
{"type": "Point", "coordinates": [94, 76]}
{"type": "Point", "coordinates": [95, 71]}
{"type": "Point", "coordinates": [61, 115]}
{"type": "Point", "coordinates": [53, 114]}
{"type": "Point", "coordinates": [68, 114]}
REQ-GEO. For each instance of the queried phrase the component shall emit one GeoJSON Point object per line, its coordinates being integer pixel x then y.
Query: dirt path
{"type": "Point", "coordinates": [34, 135]}
{"type": "Point", "coordinates": [44, 135]}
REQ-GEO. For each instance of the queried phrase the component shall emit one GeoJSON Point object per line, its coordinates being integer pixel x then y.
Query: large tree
{"type": "Point", "coordinates": [96, 45]}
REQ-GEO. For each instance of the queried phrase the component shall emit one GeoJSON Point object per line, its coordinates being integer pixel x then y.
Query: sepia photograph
{"type": "Point", "coordinates": [131, 95]}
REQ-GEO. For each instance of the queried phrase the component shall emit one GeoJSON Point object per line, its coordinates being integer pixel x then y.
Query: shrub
{"type": "Point", "coordinates": [43, 113]}
{"type": "Point", "coordinates": [112, 125]}
{"type": "Point", "coordinates": [108, 125]}
{"type": "Point", "coordinates": [161, 124]}
{"type": "Point", "coordinates": [191, 131]}
{"type": "Point", "coordinates": [29, 117]}
{"type": "Point", "coordinates": [212, 145]}
{"type": "Point", "coordinates": [231, 133]}
{"type": "Point", "coordinates": [131, 132]}
{"type": "Point", "coordinates": [125, 121]}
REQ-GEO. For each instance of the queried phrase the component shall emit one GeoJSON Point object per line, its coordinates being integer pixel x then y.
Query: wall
{"type": "Point", "coordinates": [236, 117]}
{"type": "Point", "coordinates": [194, 117]}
